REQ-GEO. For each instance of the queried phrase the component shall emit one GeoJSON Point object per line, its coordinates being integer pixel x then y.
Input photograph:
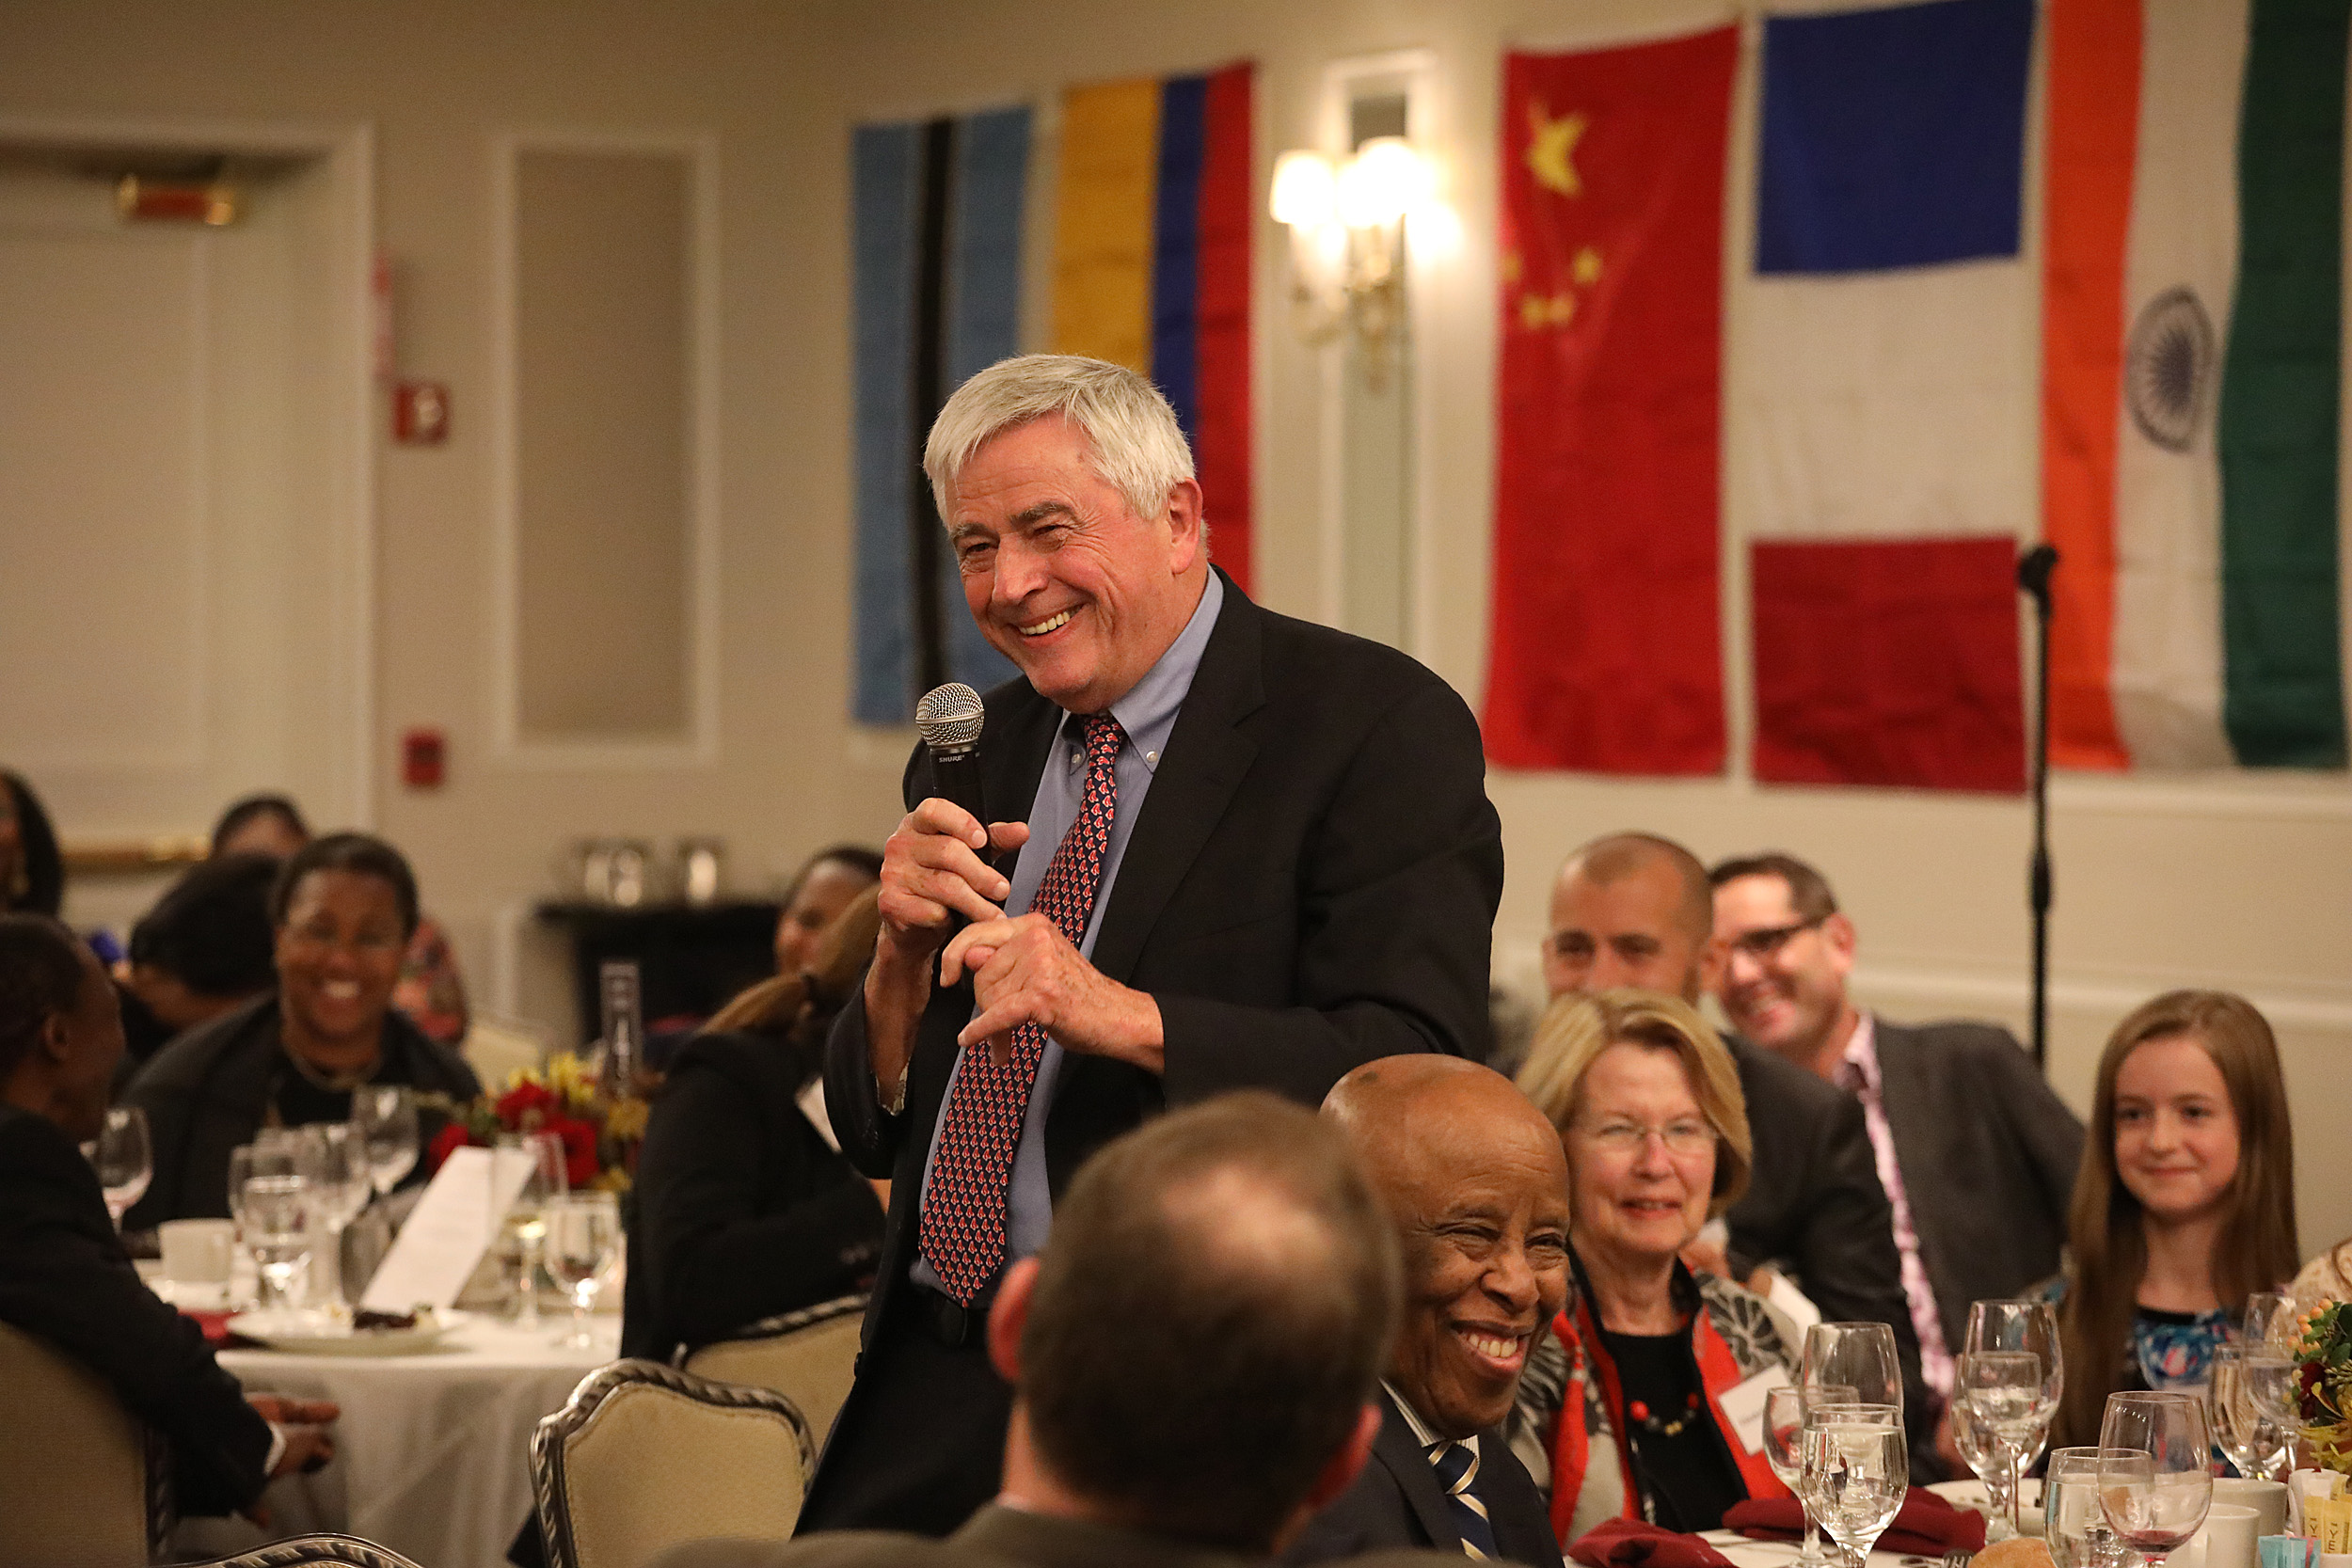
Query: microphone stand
{"type": "Point", "coordinates": [2033, 577]}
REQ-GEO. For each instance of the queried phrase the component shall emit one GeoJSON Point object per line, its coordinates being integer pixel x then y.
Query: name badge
{"type": "Point", "coordinates": [1744, 1406]}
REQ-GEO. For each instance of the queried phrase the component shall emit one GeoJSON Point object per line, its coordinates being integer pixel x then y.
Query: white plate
{"type": "Point", "coordinates": [313, 1333]}
{"type": "Point", "coordinates": [1971, 1493]}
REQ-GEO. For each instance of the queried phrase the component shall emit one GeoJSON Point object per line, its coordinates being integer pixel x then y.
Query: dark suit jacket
{"type": "Point", "coordinates": [65, 1277]}
{"type": "Point", "coordinates": [208, 1091]}
{"type": "Point", "coordinates": [1310, 884]}
{"type": "Point", "coordinates": [996, 1537]}
{"type": "Point", "coordinates": [1815, 1208]}
{"type": "Point", "coordinates": [741, 1211]}
{"type": "Point", "coordinates": [1988, 1153]}
{"type": "Point", "coordinates": [1396, 1501]}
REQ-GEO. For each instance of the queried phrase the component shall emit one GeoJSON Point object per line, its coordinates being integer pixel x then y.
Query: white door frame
{"type": "Point", "coordinates": [348, 154]}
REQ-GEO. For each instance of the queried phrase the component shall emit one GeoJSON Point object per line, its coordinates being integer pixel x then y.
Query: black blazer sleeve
{"type": "Point", "coordinates": [65, 1276]}
{"type": "Point", "coordinates": [743, 1210]}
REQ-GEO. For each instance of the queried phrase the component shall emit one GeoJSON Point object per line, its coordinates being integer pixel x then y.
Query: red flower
{"type": "Point", "coordinates": [579, 1149]}
{"type": "Point", "coordinates": [446, 1142]}
{"type": "Point", "coordinates": [525, 1106]}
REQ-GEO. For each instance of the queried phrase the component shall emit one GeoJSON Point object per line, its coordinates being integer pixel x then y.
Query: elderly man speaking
{"type": "Point", "coordinates": [1243, 852]}
{"type": "Point", "coordinates": [1478, 1184]}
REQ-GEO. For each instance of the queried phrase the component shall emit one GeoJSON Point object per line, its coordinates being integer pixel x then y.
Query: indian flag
{"type": "Point", "coordinates": [2192, 331]}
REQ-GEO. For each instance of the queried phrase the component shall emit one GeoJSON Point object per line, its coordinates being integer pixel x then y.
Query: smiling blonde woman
{"type": "Point", "coordinates": [1621, 1409]}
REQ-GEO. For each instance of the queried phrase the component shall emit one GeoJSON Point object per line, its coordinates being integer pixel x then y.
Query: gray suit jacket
{"type": "Point", "coordinates": [996, 1537]}
{"type": "Point", "coordinates": [1988, 1153]}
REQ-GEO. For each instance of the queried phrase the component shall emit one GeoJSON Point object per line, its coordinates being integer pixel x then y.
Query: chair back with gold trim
{"type": "Point", "coordinates": [315, 1551]}
{"type": "Point", "coordinates": [809, 1357]}
{"type": "Point", "coordinates": [86, 1478]}
{"type": "Point", "coordinates": [645, 1457]}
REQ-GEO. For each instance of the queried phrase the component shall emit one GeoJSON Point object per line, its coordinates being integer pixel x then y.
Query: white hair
{"type": "Point", "coordinates": [1138, 448]}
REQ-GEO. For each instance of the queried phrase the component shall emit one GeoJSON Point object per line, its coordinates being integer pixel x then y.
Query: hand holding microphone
{"type": "Point", "coordinates": [938, 868]}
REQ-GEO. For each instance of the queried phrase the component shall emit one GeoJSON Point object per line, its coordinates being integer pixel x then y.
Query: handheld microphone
{"type": "Point", "coordinates": [949, 719]}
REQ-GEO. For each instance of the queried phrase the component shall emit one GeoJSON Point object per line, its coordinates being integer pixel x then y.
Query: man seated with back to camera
{"type": "Point", "coordinates": [1976, 1152]}
{"type": "Point", "coordinates": [1635, 910]}
{"type": "Point", "coordinates": [1477, 1185]}
{"type": "Point", "coordinates": [203, 950]}
{"type": "Point", "coordinates": [64, 1275]}
{"type": "Point", "coordinates": [1192, 1356]}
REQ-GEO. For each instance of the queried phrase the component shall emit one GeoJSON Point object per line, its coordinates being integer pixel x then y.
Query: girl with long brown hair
{"type": "Point", "coordinates": [2184, 1202]}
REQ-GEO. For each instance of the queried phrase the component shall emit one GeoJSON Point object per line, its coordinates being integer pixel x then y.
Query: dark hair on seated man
{"type": "Point", "coordinates": [1209, 1320]}
{"type": "Point", "coordinates": [360, 853]}
{"type": "Point", "coordinates": [42, 967]}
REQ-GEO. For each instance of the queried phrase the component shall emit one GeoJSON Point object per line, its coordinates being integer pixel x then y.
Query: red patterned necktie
{"type": "Point", "coordinates": [963, 1231]}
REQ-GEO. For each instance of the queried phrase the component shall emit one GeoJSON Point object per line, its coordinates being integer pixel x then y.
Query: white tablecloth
{"type": "Point", "coordinates": [432, 1451]}
{"type": "Point", "coordinates": [1745, 1553]}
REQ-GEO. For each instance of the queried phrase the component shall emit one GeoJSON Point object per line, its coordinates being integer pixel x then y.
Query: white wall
{"type": "Point", "coordinates": [2229, 881]}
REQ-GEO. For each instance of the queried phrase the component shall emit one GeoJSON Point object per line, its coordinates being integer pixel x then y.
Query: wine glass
{"type": "Point", "coordinates": [1857, 1471]}
{"type": "Point", "coordinates": [1786, 1413]}
{"type": "Point", "coordinates": [335, 1163]}
{"type": "Point", "coordinates": [523, 1223]}
{"type": "Point", "coordinates": [2078, 1534]}
{"type": "Point", "coordinates": [2155, 1494]}
{"type": "Point", "coordinates": [2015, 1327]}
{"type": "Point", "coordinates": [386, 1117]}
{"type": "Point", "coordinates": [1859, 1356]}
{"type": "Point", "coordinates": [2267, 1345]}
{"type": "Point", "coordinates": [123, 1158]}
{"type": "Point", "coordinates": [280, 1224]}
{"type": "Point", "coordinates": [583, 1238]}
{"type": "Point", "coordinates": [2240, 1428]}
{"type": "Point", "coordinates": [2007, 1395]}
{"type": "Point", "coordinates": [1982, 1452]}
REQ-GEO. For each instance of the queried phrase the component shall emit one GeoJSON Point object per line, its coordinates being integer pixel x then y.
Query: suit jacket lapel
{"type": "Point", "coordinates": [1397, 1449]}
{"type": "Point", "coordinates": [1206, 760]}
{"type": "Point", "coordinates": [1905, 1096]}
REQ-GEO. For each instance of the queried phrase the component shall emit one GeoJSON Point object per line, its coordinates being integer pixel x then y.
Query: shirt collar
{"type": "Point", "coordinates": [1421, 1434]}
{"type": "Point", "coordinates": [1148, 713]}
{"type": "Point", "coordinates": [1862, 1052]}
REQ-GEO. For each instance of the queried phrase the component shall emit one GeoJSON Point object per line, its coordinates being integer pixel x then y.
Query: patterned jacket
{"type": "Point", "coordinates": [1582, 1462]}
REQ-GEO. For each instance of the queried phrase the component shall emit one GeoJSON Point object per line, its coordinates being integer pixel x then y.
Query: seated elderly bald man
{"type": "Point", "coordinates": [1478, 1185]}
{"type": "Point", "coordinates": [1192, 1358]}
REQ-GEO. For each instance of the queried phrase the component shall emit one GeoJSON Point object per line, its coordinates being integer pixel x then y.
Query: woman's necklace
{"type": "Point", "coordinates": [1640, 1414]}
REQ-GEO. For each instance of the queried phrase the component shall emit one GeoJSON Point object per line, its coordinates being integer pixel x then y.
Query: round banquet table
{"type": "Point", "coordinates": [433, 1452]}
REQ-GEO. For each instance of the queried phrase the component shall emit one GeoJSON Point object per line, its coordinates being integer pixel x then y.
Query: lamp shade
{"type": "Point", "coordinates": [1385, 180]}
{"type": "Point", "coordinates": [1304, 184]}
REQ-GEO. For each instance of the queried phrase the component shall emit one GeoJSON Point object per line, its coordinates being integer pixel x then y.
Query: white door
{"type": "Point", "coordinates": [183, 523]}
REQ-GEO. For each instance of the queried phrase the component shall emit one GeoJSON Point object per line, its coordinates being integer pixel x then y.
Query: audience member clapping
{"type": "Point", "coordinates": [430, 989]}
{"type": "Point", "coordinates": [64, 1275]}
{"type": "Point", "coordinates": [32, 867]}
{"type": "Point", "coordinates": [1623, 1407]}
{"type": "Point", "coordinates": [203, 950]}
{"type": "Point", "coordinates": [1473, 1178]}
{"type": "Point", "coordinates": [1192, 1356]}
{"type": "Point", "coordinates": [2185, 1205]}
{"type": "Point", "coordinates": [744, 1206]}
{"type": "Point", "coordinates": [1976, 1152]}
{"type": "Point", "coordinates": [344, 909]}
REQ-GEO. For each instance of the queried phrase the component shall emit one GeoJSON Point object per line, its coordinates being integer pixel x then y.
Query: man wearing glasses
{"type": "Point", "coordinates": [1974, 1151]}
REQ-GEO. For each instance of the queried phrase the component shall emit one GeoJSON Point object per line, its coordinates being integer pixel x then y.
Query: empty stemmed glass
{"type": "Point", "coordinates": [386, 1117]}
{"type": "Point", "coordinates": [2157, 1490]}
{"type": "Point", "coordinates": [2076, 1525]}
{"type": "Point", "coordinates": [334, 1160]}
{"type": "Point", "coordinates": [2241, 1429]}
{"type": "Point", "coordinates": [2266, 1345]}
{"type": "Point", "coordinates": [1982, 1453]}
{"type": "Point", "coordinates": [124, 1159]}
{"type": "Point", "coordinates": [1859, 1356]}
{"type": "Point", "coordinates": [2014, 1408]}
{"type": "Point", "coordinates": [583, 1238]}
{"type": "Point", "coordinates": [1855, 1472]}
{"type": "Point", "coordinates": [1786, 1411]}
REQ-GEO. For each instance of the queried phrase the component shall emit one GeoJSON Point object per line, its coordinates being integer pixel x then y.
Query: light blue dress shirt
{"type": "Point", "coordinates": [1148, 714]}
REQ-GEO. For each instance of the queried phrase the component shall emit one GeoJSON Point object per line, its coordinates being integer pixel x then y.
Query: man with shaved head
{"type": "Point", "coordinates": [1636, 909]}
{"type": "Point", "coordinates": [1475, 1179]}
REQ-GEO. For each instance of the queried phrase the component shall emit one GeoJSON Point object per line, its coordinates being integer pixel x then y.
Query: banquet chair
{"type": "Point", "coordinates": [106, 1500]}
{"type": "Point", "coordinates": [645, 1457]}
{"type": "Point", "coordinates": [809, 1357]}
{"type": "Point", "coordinates": [302, 1551]}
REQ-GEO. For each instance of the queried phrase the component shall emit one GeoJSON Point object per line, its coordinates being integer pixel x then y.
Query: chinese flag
{"type": "Point", "coordinates": [1607, 652]}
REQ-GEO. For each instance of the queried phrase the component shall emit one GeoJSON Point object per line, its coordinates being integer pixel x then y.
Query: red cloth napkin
{"type": "Point", "coordinates": [1633, 1544]}
{"type": "Point", "coordinates": [1927, 1526]}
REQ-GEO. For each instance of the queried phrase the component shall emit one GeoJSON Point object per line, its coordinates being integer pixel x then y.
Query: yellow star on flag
{"type": "Point", "coordinates": [1538, 312]}
{"type": "Point", "coordinates": [1587, 266]}
{"type": "Point", "coordinates": [1551, 143]}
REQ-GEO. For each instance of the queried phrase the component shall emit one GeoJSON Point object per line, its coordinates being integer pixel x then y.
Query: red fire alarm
{"type": "Point", "coordinates": [421, 758]}
{"type": "Point", "coordinates": [419, 413]}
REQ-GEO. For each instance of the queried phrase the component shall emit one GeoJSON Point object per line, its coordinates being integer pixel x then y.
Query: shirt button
{"type": "Point", "coordinates": [1153, 757]}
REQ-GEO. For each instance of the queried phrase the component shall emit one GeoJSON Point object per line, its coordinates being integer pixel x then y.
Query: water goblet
{"type": "Point", "coordinates": [1857, 1471]}
{"type": "Point", "coordinates": [522, 1223]}
{"type": "Point", "coordinates": [123, 1158]}
{"type": "Point", "coordinates": [583, 1239]}
{"type": "Point", "coordinates": [1983, 1455]}
{"type": "Point", "coordinates": [1859, 1356]}
{"type": "Point", "coordinates": [2076, 1525]}
{"type": "Point", "coordinates": [2020, 1327]}
{"type": "Point", "coordinates": [2157, 1493]}
{"type": "Point", "coordinates": [386, 1115]}
{"type": "Point", "coordinates": [280, 1228]}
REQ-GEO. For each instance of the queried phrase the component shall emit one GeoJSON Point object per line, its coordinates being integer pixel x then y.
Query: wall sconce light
{"type": "Point", "coordinates": [1347, 237]}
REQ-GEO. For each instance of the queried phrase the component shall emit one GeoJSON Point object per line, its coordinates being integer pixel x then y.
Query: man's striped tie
{"type": "Point", "coordinates": [1457, 1466]}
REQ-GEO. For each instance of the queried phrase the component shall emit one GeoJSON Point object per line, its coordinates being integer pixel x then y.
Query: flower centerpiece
{"type": "Point", "coordinates": [2323, 1378]}
{"type": "Point", "coordinates": [599, 1128]}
